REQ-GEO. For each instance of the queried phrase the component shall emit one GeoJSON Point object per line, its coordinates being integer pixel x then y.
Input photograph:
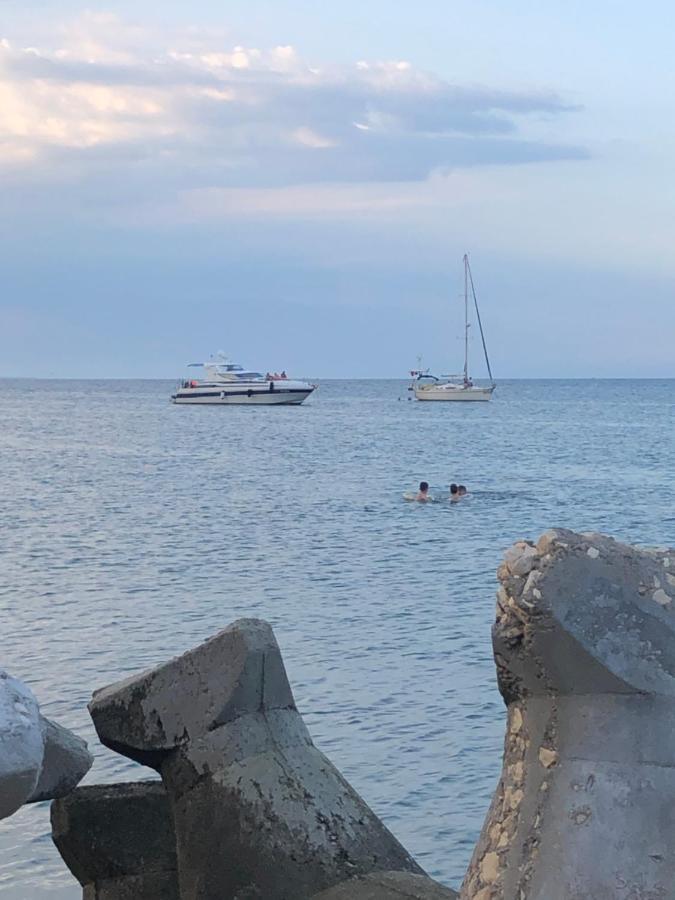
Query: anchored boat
{"type": "Point", "coordinates": [225, 384]}
{"type": "Point", "coordinates": [460, 387]}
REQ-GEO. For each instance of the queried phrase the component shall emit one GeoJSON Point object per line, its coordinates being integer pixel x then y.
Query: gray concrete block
{"type": "Point", "coordinates": [21, 744]}
{"type": "Point", "coordinates": [259, 812]}
{"type": "Point", "coordinates": [39, 760]}
{"type": "Point", "coordinates": [65, 762]}
{"type": "Point", "coordinates": [389, 886]}
{"type": "Point", "coordinates": [118, 841]}
{"type": "Point", "coordinates": [584, 644]}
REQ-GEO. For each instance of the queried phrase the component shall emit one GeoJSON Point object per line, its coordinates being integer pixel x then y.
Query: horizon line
{"type": "Point", "coordinates": [352, 378]}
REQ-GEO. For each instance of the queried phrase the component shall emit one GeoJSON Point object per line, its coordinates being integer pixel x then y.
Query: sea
{"type": "Point", "coordinates": [133, 529]}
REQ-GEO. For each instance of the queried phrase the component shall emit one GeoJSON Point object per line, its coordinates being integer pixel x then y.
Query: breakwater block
{"type": "Point", "coordinates": [258, 811]}
{"type": "Point", "coordinates": [39, 760]}
{"type": "Point", "coordinates": [65, 762]}
{"type": "Point", "coordinates": [389, 886]}
{"type": "Point", "coordinates": [118, 841]}
{"type": "Point", "coordinates": [584, 644]}
{"type": "Point", "coordinates": [21, 744]}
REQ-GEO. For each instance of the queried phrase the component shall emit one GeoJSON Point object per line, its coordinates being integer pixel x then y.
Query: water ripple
{"type": "Point", "coordinates": [134, 529]}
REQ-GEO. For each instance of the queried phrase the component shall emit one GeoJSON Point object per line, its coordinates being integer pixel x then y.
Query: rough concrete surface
{"type": "Point", "coordinates": [65, 762]}
{"type": "Point", "coordinates": [584, 644]}
{"type": "Point", "coordinates": [258, 811]}
{"type": "Point", "coordinates": [388, 886]}
{"type": "Point", "coordinates": [118, 841]}
{"type": "Point", "coordinates": [39, 760]}
{"type": "Point", "coordinates": [21, 744]}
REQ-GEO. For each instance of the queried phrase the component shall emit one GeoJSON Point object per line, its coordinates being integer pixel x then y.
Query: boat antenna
{"type": "Point", "coordinates": [480, 324]}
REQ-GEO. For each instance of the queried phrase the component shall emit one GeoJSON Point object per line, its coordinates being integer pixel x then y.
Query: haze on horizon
{"type": "Point", "coordinates": [297, 184]}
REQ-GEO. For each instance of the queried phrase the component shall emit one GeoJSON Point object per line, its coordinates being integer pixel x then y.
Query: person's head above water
{"type": "Point", "coordinates": [423, 494]}
{"type": "Point", "coordinates": [454, 489]}
{"type": "Point", "coordinates": [461, 489]}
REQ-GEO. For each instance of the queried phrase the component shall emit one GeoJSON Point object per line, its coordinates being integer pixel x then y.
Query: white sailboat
{"type": "Point", "coordinates": [457, 387]}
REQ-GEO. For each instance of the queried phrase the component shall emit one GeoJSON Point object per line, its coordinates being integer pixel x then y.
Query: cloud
{"type": "Point", "coordinates": [181, 111]}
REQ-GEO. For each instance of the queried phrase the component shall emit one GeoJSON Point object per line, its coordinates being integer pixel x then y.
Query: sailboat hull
{"type": "Point", "coordinates": [452, 393]}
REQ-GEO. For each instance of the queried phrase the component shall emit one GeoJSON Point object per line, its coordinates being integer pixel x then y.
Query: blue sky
{"type": "Point", "coordinates": [297, 184]}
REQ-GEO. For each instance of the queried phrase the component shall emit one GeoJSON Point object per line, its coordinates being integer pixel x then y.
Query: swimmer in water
{"type": "Point", "coordinates": [423, 493]}
{"type": "Point", "coordinates": [454, 493]}
{"type": "Point", "coordinates": [462, 491]}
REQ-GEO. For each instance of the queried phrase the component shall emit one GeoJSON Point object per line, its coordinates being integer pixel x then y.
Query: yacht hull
{"type": "Point", "coordinates": [253, 396]}
{"type": "Point", "coordinates": [457, 395]}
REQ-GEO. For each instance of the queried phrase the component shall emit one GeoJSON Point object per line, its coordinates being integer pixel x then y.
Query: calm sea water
{"type": "Point", "coordinates": [133, 529]}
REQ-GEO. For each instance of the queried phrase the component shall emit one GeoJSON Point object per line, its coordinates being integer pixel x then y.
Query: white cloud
{"type": "Point", "coordinates": [309, 138]}
{"type": "Point", "coordinates": [243, 116]}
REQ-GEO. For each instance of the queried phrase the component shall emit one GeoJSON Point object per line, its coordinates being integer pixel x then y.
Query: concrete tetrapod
{"type": "Point", "coordinates": [584, 644]}
{"type": "Point", "coordinates": [39, 760]}
{"type": "Point", "coordinates": [118, 841]}
{"type": "Point", "coordinates": [21, 744]}
{"type": "Point", "coordinates": [258, 811]}
{"type": "Point", "coordinates": [389, 886]}
{"type": "Point", "coordinates": [65, 762]}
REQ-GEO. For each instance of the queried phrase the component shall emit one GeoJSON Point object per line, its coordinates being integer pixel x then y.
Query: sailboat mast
{"type": "Point", "coordinates": [466, 318]}
{"type": "Point", "coordinates": [480, 324]}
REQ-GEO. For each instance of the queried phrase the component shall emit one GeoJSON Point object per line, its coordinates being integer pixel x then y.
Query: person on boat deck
{"type": "Point", "coordinates": [283, 374]}
{"type": "Point", "coordinates": [268, 377]}
{"type": "Point", "coordinates": [423, 493]}
{"type": "Point", "coordinates": [454, 493]}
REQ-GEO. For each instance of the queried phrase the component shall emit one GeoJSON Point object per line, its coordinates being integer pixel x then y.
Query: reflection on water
{"type": "Point", "coordinates": [135, 529]}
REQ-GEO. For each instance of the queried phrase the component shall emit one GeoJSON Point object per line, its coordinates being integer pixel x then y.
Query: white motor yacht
{"type": "Point", "coordinates": [225, 383]}
{"type": "Point", "coordinates": [457, 387]}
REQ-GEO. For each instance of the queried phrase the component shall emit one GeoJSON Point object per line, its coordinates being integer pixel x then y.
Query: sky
{"type": "Point", "coordinates": [296, 184]}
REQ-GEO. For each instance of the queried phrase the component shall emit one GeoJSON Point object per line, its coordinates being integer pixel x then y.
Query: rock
{"type": "Point", "coordinates": [118, 841]}
{"type": "Point", "coordinates": [65, 762]}
{"type": "Point", "coordinates": [388, 886]}
{"type": "Point", "coordinates": [585, 806]}
{"type": "Point", "coordinates": [258, 811]}
{"type": "Point", "coordinates": [547, 757]}
{"type": "Point", "coordinates": [21, 744]}
{"type": "Point", "coordinates": [662, 598]}
{"type": "Point", "coordinates": [548, 539]}
{"type": "Point", "coordinates": [521, 558]}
